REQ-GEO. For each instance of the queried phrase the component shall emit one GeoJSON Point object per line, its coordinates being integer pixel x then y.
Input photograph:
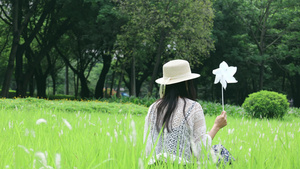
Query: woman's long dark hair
{"type": "Point", "coordinates": [169, 102]}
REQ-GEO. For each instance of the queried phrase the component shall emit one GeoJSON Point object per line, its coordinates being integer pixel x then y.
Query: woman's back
{"type": "Point", "coordinates": [185, 136]}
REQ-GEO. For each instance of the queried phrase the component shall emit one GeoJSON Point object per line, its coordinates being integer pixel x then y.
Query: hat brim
{"type": "Point", "coordinates": [173, 81]}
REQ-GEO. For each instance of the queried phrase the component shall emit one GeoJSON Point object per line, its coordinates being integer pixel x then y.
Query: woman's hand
{"type": "Point", "coordinates": [220, 122]}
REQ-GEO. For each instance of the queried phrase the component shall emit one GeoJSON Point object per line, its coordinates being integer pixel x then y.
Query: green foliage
{"type": "Point", "coordinates": [145, 101]}
{"type": "Point", "coordinates": [215, 109]}
{"type": "Point", "coordinates": [61, 97]}
{"type": "Point", "coordinates": [266, 104]}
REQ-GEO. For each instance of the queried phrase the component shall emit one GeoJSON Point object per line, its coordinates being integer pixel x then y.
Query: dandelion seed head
{"type": "Point", "coordinates": [39, 121]}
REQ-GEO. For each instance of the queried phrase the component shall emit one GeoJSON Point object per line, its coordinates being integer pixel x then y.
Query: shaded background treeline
{"type": "Point", "coordinates": [99, 48]}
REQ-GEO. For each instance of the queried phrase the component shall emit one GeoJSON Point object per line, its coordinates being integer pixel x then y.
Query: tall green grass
{"type": "Point", "coordinates": [98, 134]}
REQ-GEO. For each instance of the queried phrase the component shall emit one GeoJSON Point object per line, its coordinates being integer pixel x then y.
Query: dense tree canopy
{"type": "Point", "coordinates": [40, 41]}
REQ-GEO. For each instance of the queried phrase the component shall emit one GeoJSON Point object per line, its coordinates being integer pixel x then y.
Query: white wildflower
{"type": "Point", "coordinates": [57, 161]}
{"type": "Point", "coordinates": [91, 124]}
{"type": "Point", "coordinates": [60, 133]}
{"type": "Point", "coordinates": [10, 124]}
{"type": "Point", "coordinates": [39, 121]}
{"type": "Point", "coordinates": [33, 165]}
{"type": "Point", "coordinates": [32, 133]}
{"type": "Point", "coordinates": [42, 157]}
{"type": "Point", "coordinates": [133, 134]}
{"type": "Point", "coordinates": [141, 164]}
{"type": "Point", "coordinates": [241, 147]}
{"type": "Point", "coordinates": [116, 134]}
{"type": "Point", "coordinates": [67, 124]}
{"type": "Point", "coordinates": [26, 132]}
{"type": "Point", "coordinates": [230, 131]}
{"type": "Point", "coordinates": [24, 148]}
{"type": "Point", "coordinates": [7, 166]}
{"type": "Point", "coordinates": [125, 139]}
{"type": "Point", "coordinates": [249, 149]}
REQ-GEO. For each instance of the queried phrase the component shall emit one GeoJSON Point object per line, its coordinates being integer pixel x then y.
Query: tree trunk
{"type": "Point", "coordinates": [296, 90]}
{"type": "Point", "coordinates": [85, 91]}
{"type": "Point", "coordinates": [75, 85]}
{"type": "Point", "coordinates": [40, 81]}
{"type": "Point", "coordinates": [132, 78]}
{"type": "Point", "coordinates": [67, 81]}
{"type": "Point", "coordinates": [119, 85]}
{"type": "Point", "coordinates": [261, 75]}
{"type": "Point", "coordinates": [101, 80]}
{"type": "Point", "coordinates": [53, 83]}
{"type": "Point", "coordinates": [13, 52]}
{"type": "Point", "coordinates": [31, 87]}
{"type": "Point", "coordinates": [41, 87]}
{"type": "Point", "coordinates": [112, 84]}
{"type": "Point", "coordinates": [283, 82]}
{"type": "Point", "coordinates": [19, 73]}
{"type": "Point", "coordinates": [157, 61]}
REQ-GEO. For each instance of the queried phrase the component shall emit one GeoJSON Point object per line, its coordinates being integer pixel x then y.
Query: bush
{"type": "Point", "coordinates": [266, 104]}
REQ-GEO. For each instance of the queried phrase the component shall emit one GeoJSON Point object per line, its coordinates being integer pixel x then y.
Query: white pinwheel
{"type": "Point", "coordinates": [224, 74]}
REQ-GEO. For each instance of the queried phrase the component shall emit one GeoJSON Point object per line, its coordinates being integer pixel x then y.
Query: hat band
{"type": "Point", "coordinates": [167, 79]}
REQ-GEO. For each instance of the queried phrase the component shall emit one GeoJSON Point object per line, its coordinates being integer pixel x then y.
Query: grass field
{"type": "Point", "coordinates": [72, 134]}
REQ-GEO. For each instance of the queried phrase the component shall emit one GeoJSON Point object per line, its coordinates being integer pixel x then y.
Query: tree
{"type": "Point", "coordinates": [162, 27]}
{"type": "Point", "coordinates": [28, 20]}
{"type": "Point", "coordinates": [288, 51]}
{"type": "Point", "coordinates": [261, 18]}
{"type": "Point", "coordinates": [109, 24]}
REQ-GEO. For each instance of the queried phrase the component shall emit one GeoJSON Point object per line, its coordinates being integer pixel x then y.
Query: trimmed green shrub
{"type": "Point", "coordinates": [266, 104]}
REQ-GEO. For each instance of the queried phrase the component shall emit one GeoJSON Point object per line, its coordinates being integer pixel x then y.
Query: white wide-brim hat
{"type": "Point", "coordinates": [176, 71]}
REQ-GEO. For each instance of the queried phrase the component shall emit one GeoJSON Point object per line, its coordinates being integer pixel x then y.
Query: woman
{"type": "Point", "coordinates": [175, 123]}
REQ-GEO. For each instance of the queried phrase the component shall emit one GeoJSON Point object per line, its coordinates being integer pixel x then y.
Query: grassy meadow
{"type": "Point", "coordinates": [38, 133]}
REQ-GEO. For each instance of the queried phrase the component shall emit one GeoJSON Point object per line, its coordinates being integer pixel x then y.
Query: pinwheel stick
{"type": "Point", "coordinates": [222, 97]}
